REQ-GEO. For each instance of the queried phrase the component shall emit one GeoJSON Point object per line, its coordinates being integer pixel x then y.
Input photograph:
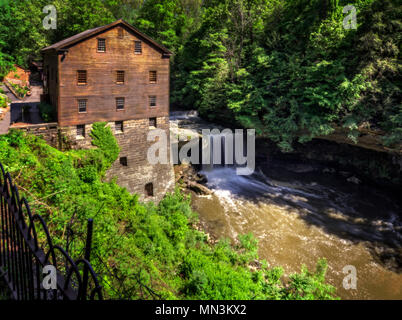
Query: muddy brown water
{"type": "Point", "coordinates": [300, 214]}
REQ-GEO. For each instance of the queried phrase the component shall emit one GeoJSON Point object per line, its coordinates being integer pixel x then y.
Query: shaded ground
{"type": "Point", "coordinates": [16, 114]}
{"type": "Point", "coordinates": [19, 116]}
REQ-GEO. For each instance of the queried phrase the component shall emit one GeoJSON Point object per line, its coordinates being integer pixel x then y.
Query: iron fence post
{"type": "Point", "coordinates": [22, 259]}
{"type": "Point", "coordinates": [87, 257]}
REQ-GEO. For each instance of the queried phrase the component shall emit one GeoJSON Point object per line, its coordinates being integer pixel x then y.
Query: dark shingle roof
{"type": "Point", "coordinates": [88, 33]}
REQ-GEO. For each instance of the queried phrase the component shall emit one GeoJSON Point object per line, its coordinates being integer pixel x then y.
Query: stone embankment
{"type": "Point", "coordinates": [190, 180]}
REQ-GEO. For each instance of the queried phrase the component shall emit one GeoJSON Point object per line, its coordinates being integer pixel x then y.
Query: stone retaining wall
{"type": "Point", "coordinates": [134, 147]}
{"type": "Point", "coordinates": [48, 131]}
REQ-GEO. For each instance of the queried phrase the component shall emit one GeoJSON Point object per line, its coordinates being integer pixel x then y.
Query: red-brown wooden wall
{"type": "Point", "coordinates": [101, 89]}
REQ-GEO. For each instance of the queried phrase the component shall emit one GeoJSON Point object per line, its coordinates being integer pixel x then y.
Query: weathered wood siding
{"type": "Point", "coordinates": [101, 90]}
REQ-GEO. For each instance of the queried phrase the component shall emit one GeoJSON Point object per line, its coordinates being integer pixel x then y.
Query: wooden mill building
{"type": "Point", "coordinates": [115, 74]}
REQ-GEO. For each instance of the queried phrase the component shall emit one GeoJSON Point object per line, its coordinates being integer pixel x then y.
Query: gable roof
{"type": "Point", "coordinates": [91, 32]}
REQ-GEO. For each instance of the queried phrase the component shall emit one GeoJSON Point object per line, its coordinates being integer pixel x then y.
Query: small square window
{"type": "Point", "coordinates": [149, 189]}
{"type": "Point", "coordinates": [118, 126]}
{"type": "Point", "coordinates": [137, 47]}
{"type": "Point", "coordinates": [82, 77]}
{"type": "Point", "coordinates": [123, 161]}
{"type": "Point", "coordinates": [152, 76]}
{"type": "Point", "coordinates": [82, 105]}
{"type": "Point", "coordinates": [152, 122]}
{"type": "Point", "coordinates": [120, 103]}
{"type": "Point", "coordinates": [81, 130]}
{"type": "Point", "coordinates": [101, 45]}
{"type": "Point", "coordinates": [120, 77]}
{"type": "Point", "coordinates": [152, 101]}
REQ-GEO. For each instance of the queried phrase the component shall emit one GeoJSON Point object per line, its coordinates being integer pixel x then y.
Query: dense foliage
{"type": "Point", "coordinates": [4, 100]}
{"type": "Point", "coordinates": [20, 90]}
{"type": "Point", "coordinates": [140, 247]}
{"type": "Point", "coordinates": [290, 69]}
{"type": "Point", "coordinates": [287, 68]}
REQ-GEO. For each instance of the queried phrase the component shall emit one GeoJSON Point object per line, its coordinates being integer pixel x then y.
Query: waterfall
{"type": "Point", "coordinates": [183, 115]}
{"type": "Point", "coordinates": [217, 151]}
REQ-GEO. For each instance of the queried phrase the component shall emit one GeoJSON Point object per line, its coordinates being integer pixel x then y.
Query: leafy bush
{"type": "Point", "coordinates": [135, 244]}
{"type": "Point", "coordinates": [291, 71]}
{"type": "Point", "coordinates": [3, 101]}
{"type": "Point", "coordinates": [20, 90]}
{"type": "Point", "coordinates": [394, 125]}
{"type": "Point", "coordinates": [310, 285]}
{"type": "Point", "coordinates": [47, 112]}
{"type": "Point", "coordinates": [104, 139]}
{"type": "Point", "coordinates": [6, 62]}
{"type": "Point", "coordinates": [286, 68]}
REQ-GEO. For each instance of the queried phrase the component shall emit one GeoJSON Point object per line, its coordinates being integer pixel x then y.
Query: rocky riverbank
{"type": "Point", "coordinates": [356, 164]}
{"type": "Point", "coordinates": [188, 178]}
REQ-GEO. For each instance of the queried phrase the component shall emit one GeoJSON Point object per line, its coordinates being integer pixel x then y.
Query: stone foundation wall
{"type": "Point", "coordinates": [134, 146]}
{"type": "Point", "coordinates": [48, 131]}
{"type": "Point", "coordinates": [70, 140]}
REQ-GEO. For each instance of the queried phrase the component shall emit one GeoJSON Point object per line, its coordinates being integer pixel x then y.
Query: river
{"type": "Point", "coordinates": [301, 212]}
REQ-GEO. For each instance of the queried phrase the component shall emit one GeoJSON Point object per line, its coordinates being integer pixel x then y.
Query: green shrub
{"type": "Point", "coordinates": [310, 285]}
{"type": "Point", "coordinates": [134, 244]}
{"type": "Point", "coordinates": [4, 100]}
{"type": "Point", "coordinates": [21, 91]}
{"type": "Point", "coordinates": [103, 138]}
{"type": "Point", "coordinates": [47, 112]}
{"type": "Point", "coordinates": [87, 174]}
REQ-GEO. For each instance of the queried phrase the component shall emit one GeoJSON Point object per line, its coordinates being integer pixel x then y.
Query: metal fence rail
{"type": "Point", "coordinates": [24, 255]}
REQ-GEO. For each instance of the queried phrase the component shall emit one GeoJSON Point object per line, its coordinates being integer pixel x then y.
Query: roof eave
{"type": "Point", "coordinates": [106, 27]}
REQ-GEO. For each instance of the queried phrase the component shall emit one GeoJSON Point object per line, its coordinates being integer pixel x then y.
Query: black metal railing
{"type": "Point", "coordinates": [26, 248]}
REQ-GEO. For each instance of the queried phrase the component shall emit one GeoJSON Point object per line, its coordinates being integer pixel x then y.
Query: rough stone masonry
{"type": "Point", "coordinates": [132, 169]}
